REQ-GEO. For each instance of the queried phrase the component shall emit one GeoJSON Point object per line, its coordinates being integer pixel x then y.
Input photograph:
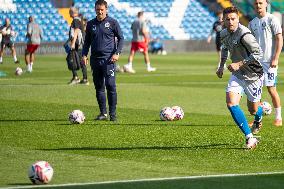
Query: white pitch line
{"type": "Point", "coordinates": [145, 180]}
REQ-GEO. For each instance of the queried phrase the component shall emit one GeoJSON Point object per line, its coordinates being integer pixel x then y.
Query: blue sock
{"type": "Point", "coordinates": [240, 119]}
{"type": "Point", "coordinates": [258, 115]}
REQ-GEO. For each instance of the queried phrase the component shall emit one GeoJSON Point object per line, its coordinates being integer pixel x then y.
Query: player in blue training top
{"type": "Point", "coordinates": [105, 37]}
{"type": "Point", "coordinates": [247, 73]}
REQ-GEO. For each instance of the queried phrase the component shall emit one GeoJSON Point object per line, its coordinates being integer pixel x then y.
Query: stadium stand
{"type": "Point", "coordinates": [53, 24]}
{"type": "Point", "coordinates": [278, 5]}
{"type": "Point", "coordinates": [167, 19]}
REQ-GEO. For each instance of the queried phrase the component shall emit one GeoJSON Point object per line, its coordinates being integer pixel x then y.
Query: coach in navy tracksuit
{"type": "Point", "coordinates": [105, 37]}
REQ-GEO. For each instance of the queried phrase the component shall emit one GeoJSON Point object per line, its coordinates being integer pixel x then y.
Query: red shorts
{"type": "Point", "coordinates": [139, 46]}
{"type": "Point", "coordinates": [31, 48]}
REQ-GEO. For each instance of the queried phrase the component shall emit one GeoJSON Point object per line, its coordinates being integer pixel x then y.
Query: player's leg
{"type": "Point", "coordinates": [233, 96]}
{"type": "Point", "coordinates": [2, 52]}
{"type": "Point", "coordinates": [27, 59]}
{"type": "Point", "coordinates": [83, 66]}
{"type": "Point", "coordinates": [13, 51]}
{"type": "Point", "coordinates": [34, 47]}
{"type": "Point", "coordinates": [253, 91]}
{"type": "Point", "coordinates": [75, 79]}
{"type": "Point", "coordinates": [128, 67]}
{"type": "Point", "coordinates": [270, 82]}
{"type": "Point", "coordinates": [32, 58]}
{"type": "Point", "coordinates": [233, 100]}
{"type": "Point", "coordinates": [277, 104]}
{"type": "Point", "coordinates": [98, 73]}
{"type": "Point", "coordinates": [256, 110]}
{"type": "Point", "coordinates": [111, 90]}
{"type": "Point", "coordinates": [146, 57]}
{"type": "Point", "coordinates": [131, 57]}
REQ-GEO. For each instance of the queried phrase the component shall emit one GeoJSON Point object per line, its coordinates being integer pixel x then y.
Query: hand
{"type": "Point", "coordinates": [72, 46]}
{"type": "Point", "coordinates": [234, 66]}
{"type": "Point", "coordinates": [274, 63]}
{"type": "Point", "coordinates": [220, 71]}
{"type": "Point", "coordinates": [114, 58]}
{"type": "Point", "coordinates": [85, 60]}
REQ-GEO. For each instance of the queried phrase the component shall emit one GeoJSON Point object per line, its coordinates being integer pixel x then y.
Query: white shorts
{"type": "Point", "coordinates": [270, 75]}
{"type": "Point", "coordinates": [253, 90]}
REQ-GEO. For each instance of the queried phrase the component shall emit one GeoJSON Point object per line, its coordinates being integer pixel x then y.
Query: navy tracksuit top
{"type": "Point", "coordinates": [105, 38]}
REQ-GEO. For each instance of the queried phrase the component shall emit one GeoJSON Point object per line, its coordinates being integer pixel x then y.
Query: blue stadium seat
{"type": "Point", "coordinates": [197, 20]}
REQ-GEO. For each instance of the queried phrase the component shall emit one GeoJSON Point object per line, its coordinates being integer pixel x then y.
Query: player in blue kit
{"type": "Point", "coordinates": [247, 73]}
{"type": "Point", "coordinates": [101, 35]}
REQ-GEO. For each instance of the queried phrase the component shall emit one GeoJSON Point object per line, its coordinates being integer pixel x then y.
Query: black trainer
{"type": "Point", "coordinates": [113, 118]}
{"type": "Point", "coordinates": [101, 117]}
{"type": "Point", "coordinates": [257, 125]}
{"type": "Point", "coordinates": [17, 62]}
{"type": "Point", "coordinates": [84, 82]}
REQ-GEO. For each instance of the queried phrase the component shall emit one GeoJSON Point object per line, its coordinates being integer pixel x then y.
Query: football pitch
{"type": "Point", "coordinates": [203, 150]}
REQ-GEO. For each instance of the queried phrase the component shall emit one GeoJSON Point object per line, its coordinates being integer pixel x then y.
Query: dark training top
{"type": "Point", "coordinates": [105, 38]}
{"type": "Point", "coordinates": [217, 27]}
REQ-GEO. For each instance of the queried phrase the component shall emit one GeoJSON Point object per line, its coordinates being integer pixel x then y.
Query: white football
{"type": "Point", "coordinates": [178, 112]}
{"type": "Point", "coordinates": [40, 172]}
{"type": "Point", "coordinates": [19, 71]}
{"type": "Point", "coordinates": [166, 114]}
{"type": "Point", "coordinates": [267, 108]}
{"type": "Point", "coordinates": [76, 117]}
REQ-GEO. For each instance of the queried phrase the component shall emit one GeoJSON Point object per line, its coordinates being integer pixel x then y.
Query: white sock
{"type": "Point", "coordinates": [15, 58]}
{"type": "Point", "coordinates": [31, 66]}
{"type": "Point", "coordinates": [278, 113]}
{"type": "Point", "coordinates": [1, 59]}
{"type": "Point", "coordinates": [148, 65]}
{"type": "Point", "coordinates": [129, 64]}
{"type": "Point", "coordinates": [249, 135]}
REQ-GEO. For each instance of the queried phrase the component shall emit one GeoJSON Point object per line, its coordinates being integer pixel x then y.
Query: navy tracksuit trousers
{"type": "Point", "coordinates": [104, 78]}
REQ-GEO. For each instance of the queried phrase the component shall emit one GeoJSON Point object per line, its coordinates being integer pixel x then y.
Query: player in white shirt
{"type": "Point", "coordinates": [268, 32]}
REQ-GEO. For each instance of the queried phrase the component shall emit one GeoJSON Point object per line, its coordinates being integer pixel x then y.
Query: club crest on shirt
{"type": "Point", "coordinates": [94, 28]}
{"type": "Point", "coordinates": [263, 25]}
{"type": "Point", "coordinates": [107, 24]}
{"type": "Point", "coordinates": [235, 41]}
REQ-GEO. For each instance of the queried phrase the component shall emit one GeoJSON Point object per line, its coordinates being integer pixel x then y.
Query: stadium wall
{"type": "Point", "coordinates": [180, 46]}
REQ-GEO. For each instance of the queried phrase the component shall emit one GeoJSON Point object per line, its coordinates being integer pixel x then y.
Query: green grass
{"type": "Point", "coordinates": [34, 126]}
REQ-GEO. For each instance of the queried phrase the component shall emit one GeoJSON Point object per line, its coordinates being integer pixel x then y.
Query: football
{"type": "Point", "coordinates": [76, 117]}
{"type": "Point", "coordinates": [40, 172]}
{"type": "Point", "coordinates": [177, 112]}
{"type": "Point", "coordinates": [166, 114]}
{"type": "Point", "coordinates": [267, 108]}
{"type": "Point", "coordinates": [18, 71]}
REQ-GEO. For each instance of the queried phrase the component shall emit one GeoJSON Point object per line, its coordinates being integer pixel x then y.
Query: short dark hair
{"type": "Point", "coordinates": [219, 12]}
{"type": "Point", "coordinates": [101, 2]}
{"type": "Point", "coordinates": [140, 13]}
{"type": "Point", "coordinates": [229, 10]}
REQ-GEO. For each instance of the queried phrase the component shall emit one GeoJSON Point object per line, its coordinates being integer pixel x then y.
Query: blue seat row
{"type": "Point", "coordinates": [197, 21]}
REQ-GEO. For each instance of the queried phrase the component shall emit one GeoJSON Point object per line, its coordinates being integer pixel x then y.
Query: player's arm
{"type": "Point", "coordinates": [278, 49]}
{"type": "Point", "coordinates": [210, 35]}
{"type": "Point", "coordinates": [253, 50]}
{"type": "Point", "coordinates": [146, 34]}
{"type": "Point", "coordinates": [224, 57]}
{"type": "Point", "coordinates": [120, 39]}
{"type": "Point", "coordinates": [74, 38]}
{"type": "Point", "coordinates": [29, 30]}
